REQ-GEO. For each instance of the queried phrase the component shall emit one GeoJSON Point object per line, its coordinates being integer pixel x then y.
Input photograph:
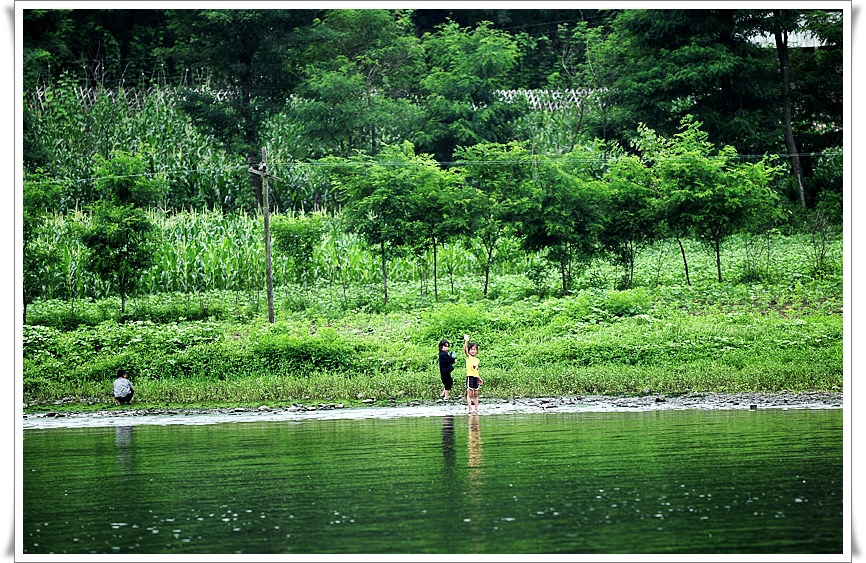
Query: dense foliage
{"type": "Point", "coordinates": [665, 336]}
{"type": "Point", "coordinates": [637, 196]}
{"type": "Point", "coordinates": [196, 92]}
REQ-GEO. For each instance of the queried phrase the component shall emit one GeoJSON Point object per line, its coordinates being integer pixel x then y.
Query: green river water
{"type": "Point", "coordinates": [690, 481]}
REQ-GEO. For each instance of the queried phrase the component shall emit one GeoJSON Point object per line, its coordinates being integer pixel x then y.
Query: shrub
{"type": "Point", "coordinates": [452, 321]}
{"type": "Point", "coordinates": [626, 303]}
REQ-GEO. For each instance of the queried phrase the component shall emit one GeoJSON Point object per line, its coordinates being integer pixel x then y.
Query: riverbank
{"type": "Point", "coordinates": [130, 415]}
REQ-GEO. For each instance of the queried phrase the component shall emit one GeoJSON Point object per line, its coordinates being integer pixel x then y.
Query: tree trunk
{"type": "Point", "coordinates": [685, 263]}
{"type": "Point", "coordinates": [631, 253]}
{"type": "Point", "coordinates": [782, 50]}
{"type": "Point", "coordinates": [384, 272]}
{"type": "Point", "coordinates": [435, 273]}
{"type": "Point", "coordinates": [718, 247]}
{"type": "Point", "coordinates": [486, 277]}
{"type": "Point", "coordinates": [490, 250]}
{"type": "Point", "coordinates": [563, 277]}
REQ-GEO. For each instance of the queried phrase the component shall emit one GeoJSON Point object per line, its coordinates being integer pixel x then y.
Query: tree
{"type": "Point", "coordinates": [498, 176]}
{"type": "Point", "coordinates": [377, 197]}
{"type": "Point", "coordinates": [299, 237]}
{"type": "Point", "coordinates": [810, 81]}
{"type": "Point", "coordinates": [466, 68]}
{"type": "Point", "coordinates": [587, 63]}
{"type": "Point", "coordinates": [123, 179]}
{"type": "Point", "coordinates": [438, 210]}
{"type": "Point", "coordinates": [709, 193]}
{"type": "Point", "coordinates": [630, 217]}
{"type": "Point", "coordinates": [674, 63]}
{"type": "Point", "coordinates": [247, 53]}
{"type": "Point", "coordinates": [99, 46]}
{"type": "Point", "coordinates": [564, 223]}
{"type": "Point", "coordinates": [360, 83]}
{"type": "Point", "coordinates": [120, 242]}
{"type": "Point", "coordinates": [780, 34]}
{"type": "Point", "coordinates": [120, 236]}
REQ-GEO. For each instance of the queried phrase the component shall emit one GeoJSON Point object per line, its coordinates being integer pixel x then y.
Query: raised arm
{"type": "Point", "coordinates": [466, 344]}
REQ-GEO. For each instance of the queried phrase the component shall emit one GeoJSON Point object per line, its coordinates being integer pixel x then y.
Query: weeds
{"type": "Point", "coordinates": [216, 346]}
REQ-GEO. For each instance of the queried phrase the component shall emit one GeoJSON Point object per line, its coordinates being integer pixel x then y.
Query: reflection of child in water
{"type": "Point", "coordinates": [473, 380]}
{"type": "Point", "coordinates": [475, 457]}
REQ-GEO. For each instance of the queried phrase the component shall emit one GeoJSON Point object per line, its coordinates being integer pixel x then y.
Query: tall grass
{"type": "Point", "coordinates": [666, 339]}
{"type": "Point", "coordinates": [201, 251]}
{"type": "Point", "coordinates": [204, 251]}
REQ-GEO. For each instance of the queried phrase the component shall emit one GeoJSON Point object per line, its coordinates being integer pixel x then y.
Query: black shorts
{"type": "Point", "coordinates": [124, 400]}
{"type": "Point", "coordinates": [472, 382]}
{"type": "Point", "coordinates": [447, 381]}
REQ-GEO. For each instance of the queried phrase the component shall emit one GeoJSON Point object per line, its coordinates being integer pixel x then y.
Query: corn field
{"type": "Point", "coordinates": [83, 126]}
{"type": "Point", "coordinates": [200, 251]}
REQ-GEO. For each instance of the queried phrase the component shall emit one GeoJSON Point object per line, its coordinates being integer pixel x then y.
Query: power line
{"type": "Point", "coordinates": [457, 163]}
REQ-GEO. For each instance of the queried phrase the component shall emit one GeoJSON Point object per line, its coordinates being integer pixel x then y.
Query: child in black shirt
{"type": "Point", "coordinates": [446, 366]}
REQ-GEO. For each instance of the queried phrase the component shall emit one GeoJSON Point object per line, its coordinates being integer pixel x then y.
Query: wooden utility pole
{"type": "Point", "coordinates": [257, 183]}
{"type": "Point", "coordinates": [266, 205]}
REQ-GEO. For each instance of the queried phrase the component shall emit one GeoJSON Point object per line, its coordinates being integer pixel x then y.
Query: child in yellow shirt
{"type": "Point", "coordinates": [473, 380]}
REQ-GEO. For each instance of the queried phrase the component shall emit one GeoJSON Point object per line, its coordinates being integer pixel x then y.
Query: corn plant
{"type": "Point", "coordinates": [76, 129]}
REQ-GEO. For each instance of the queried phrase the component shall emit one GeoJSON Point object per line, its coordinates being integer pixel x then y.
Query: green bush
{"type": "Point", "coordinates": [451, 321]}
{"type": "Point", "coordinates": [626, 303]}
{"type": "Point", "coordinates": [296, 354]}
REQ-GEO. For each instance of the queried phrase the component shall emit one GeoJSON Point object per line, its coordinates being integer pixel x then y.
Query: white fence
{"type": "Point", "coordinates": [539, 100]}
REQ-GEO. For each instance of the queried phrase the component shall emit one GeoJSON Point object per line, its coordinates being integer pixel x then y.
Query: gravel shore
{"type": "Point", "coordinates": [122, 416]}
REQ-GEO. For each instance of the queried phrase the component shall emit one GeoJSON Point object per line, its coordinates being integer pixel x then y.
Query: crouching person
{"type": "Point", "coordinates": [122, 388]}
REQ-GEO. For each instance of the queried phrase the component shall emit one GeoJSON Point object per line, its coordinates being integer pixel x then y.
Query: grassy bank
{"type": "Point", "coordinates": [669, 339]}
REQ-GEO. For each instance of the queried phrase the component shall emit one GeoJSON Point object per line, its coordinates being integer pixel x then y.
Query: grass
{"type": "Point", "coordinates": [784, 333]}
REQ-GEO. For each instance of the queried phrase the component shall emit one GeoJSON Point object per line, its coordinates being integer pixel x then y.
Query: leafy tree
{"type": "Point", "coordinates": [630, 216]}
{"type": "Point", "coordinates": [360, 82]}
{"type": "Point", "coordinates": [438, 207]}
{"type": "Point", "coordinates": [783, 22]}
{"type": "Point", "coordinates": [120, 241]}
{"type": "Point", "coordinates": [819, 94]}
{"type": "Point", "coordinates": [120, 236]}
{"type": "Point", "coordinates": [466, 67]}
{"type": "Point", "coordinates": [564, 223]}
{"type": "Point", "coordinates": [588, 63]}
{"type": "Point", "coordinates": [498, 175]}
{"type": "Point", "coordinates": [709, 193]}
{"type": "Point", "coordinates": [534, 29]}
{"type": "Point", "coordinates": [107, 47]}
{"type": "Point", "coordinates": [298, 237]}
{"type": "Point", "coordinates": [123, 179]}
{"type": "Point", "coordinates": [674, 63]}
{"type": "Point", "coordinates": [248, 53]}
{"type": "Point", "coordinates": [377, 197]}
{"type": "Point", "coordinates": [810, 82]}
{"type": "Point", "coordinates": [45, 36]}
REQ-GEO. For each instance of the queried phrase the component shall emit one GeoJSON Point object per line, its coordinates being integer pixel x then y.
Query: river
{"type": "Point", "coordinates": [673, 481]}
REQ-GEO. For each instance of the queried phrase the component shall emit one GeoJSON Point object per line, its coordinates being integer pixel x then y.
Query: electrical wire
{"type": "Point", "coordinates": [355, 164]}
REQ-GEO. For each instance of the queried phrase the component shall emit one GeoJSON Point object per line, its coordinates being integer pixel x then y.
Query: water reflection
{"type": "Point", "coordinates": [475, 497]}
{"type": "Point", "coordinates": [546, 483]}
{"type": "Point", "coordinates": [123, 441]}
{"type": "Point", "coordinates": [475, 453]}
{"type": "Point", "coordinates": [448, 445]}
